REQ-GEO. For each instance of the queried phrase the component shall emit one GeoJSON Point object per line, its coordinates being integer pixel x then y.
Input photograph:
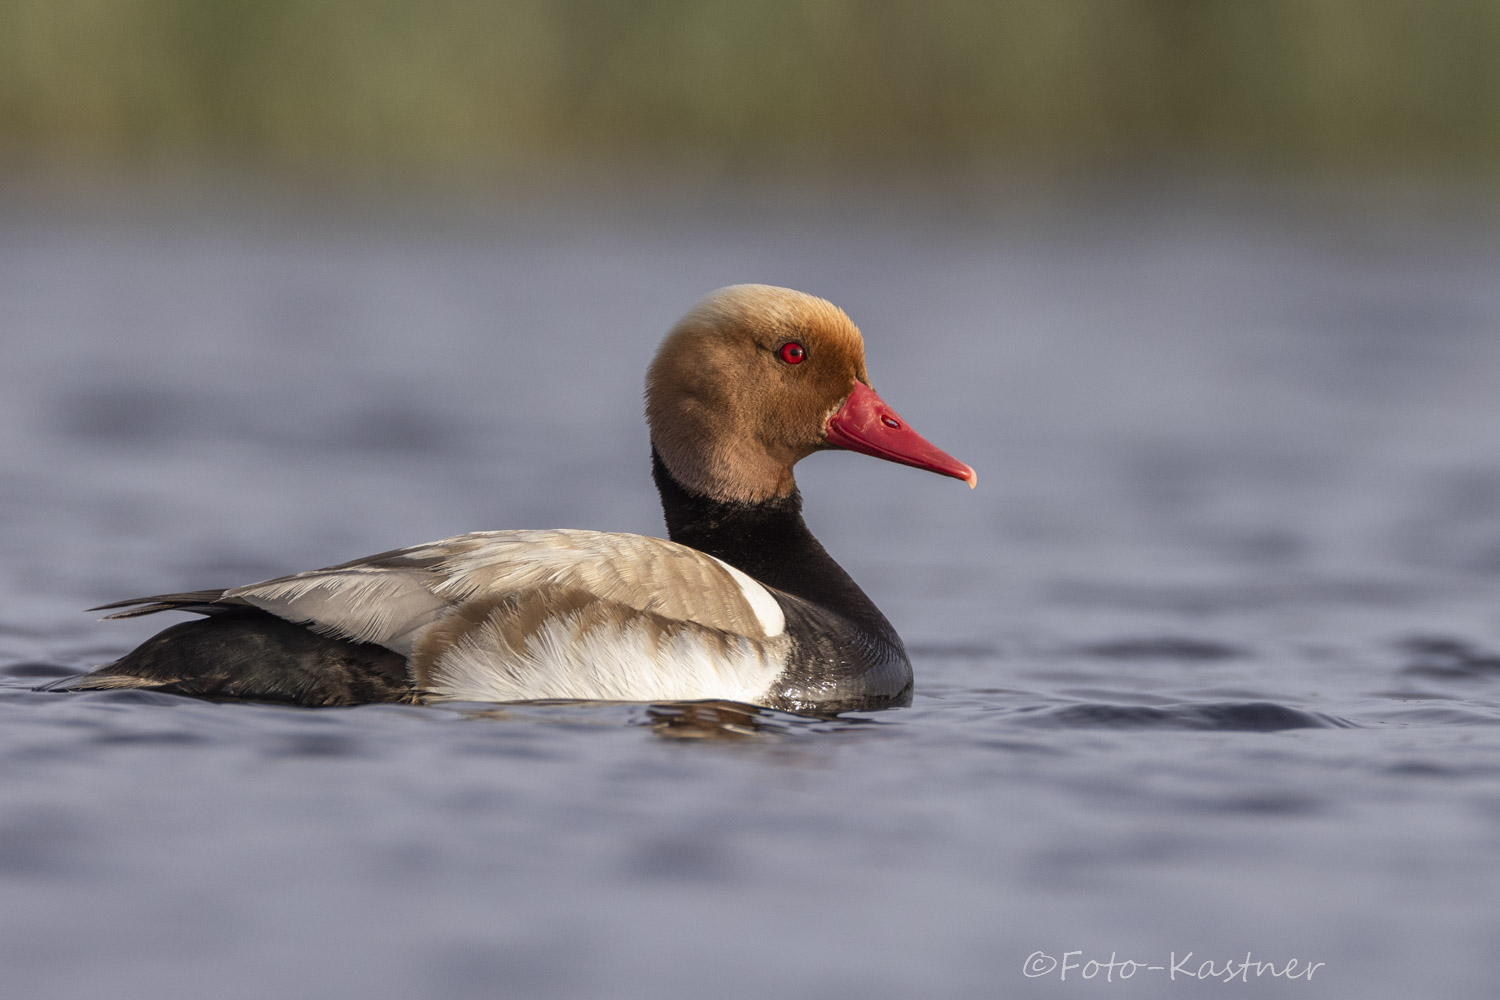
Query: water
{"type": "Point", "coordinates": [1210, 662]}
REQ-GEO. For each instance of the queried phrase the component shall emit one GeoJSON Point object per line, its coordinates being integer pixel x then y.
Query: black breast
{"type": "Point", "coordinates": [846, 655]}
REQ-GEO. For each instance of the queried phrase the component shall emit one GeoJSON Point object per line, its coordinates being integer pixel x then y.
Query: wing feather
{"type": "Point", "coordinates": [390, 599]}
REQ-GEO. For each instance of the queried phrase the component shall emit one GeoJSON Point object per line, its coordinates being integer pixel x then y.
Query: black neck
{"type": "Point", "coordinates": [769, 541]}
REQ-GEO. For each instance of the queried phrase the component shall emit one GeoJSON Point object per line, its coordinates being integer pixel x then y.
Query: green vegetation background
{"type": "Point", "coordinates": [434, 86]}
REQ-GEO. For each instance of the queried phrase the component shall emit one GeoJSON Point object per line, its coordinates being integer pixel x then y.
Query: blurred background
{"type": "Point", "coordinates": [457, 90]}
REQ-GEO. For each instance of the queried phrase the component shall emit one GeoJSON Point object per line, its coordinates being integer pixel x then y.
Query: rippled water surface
{"type": "Point", "coordinates": [1209, 663]}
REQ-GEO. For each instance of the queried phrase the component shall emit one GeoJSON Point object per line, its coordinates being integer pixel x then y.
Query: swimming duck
{"type": "Point", "coordinates": [742, 604]}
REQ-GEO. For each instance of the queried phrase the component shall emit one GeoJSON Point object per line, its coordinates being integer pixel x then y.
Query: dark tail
{"type": "Point", "coordinates": [201, 602]}
{"type": "Point", "coordinates": [241, 652]}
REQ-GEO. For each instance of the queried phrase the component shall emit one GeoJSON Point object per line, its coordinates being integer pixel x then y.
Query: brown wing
{"type": "Point", "coordinates": [391, 598]}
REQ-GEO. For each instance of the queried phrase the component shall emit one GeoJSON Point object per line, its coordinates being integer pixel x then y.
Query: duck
{"type": "Point", "coordinates": [740, 603]}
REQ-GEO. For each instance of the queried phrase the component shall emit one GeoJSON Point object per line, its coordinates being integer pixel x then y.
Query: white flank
{"type": "Point", "coordinates": [563, 661]}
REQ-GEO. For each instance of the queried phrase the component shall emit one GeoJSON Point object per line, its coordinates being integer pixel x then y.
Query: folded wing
{"type": "Point", "coordinates": [390, 598]}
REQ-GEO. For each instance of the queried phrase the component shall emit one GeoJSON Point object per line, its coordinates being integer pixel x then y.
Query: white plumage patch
{"type": "Point", "coordinates": [767, 611]}
{"type": "Point", "coordinates": [570, 658]}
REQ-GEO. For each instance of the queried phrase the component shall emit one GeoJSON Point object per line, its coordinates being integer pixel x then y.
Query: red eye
{"type": "Point", "coordinates": [792, 353]}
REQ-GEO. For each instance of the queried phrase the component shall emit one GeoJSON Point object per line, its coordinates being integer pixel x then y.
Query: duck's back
{"type": "Point", "coordinates": [495, 616]}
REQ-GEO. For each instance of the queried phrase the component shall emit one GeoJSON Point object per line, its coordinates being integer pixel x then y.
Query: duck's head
{"type": "Point", "coordinates": [755, 378]}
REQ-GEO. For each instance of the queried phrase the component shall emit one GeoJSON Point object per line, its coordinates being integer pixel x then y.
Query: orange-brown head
{"type": "Point", "coordinates": [755, 378]}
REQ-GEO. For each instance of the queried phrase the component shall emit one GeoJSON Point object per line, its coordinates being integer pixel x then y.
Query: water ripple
{"type": "Point", "coordinates": [1163, 648]}
{"type": "Point", "coordinates": [1448, 658]}
{"type": "Point", "coordinates": [1249, 716]}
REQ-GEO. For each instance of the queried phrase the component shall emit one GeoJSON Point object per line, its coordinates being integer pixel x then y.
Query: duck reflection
{"type": "Point", "coordinates": [678, 720]}
{"type": "Point", "coordinates": [711, 720]}
{"type": "Point", "coordinates": [732, 720]}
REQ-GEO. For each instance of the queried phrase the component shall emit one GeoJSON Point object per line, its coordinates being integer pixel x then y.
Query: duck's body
{"type": "Point", "coordinates": [742, 604]}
